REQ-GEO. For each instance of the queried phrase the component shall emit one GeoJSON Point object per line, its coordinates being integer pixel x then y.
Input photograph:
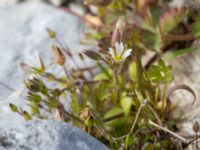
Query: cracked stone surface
{"type": "Point", "coordinates": [47, 135]}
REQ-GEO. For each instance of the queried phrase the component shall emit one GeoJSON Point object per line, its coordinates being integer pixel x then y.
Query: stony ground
{"type": "Point", "coordinates": [23, 38]}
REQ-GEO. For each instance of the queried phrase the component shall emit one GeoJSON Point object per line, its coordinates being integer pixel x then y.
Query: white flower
{"type": "Point", "coordinates": [119, 52]}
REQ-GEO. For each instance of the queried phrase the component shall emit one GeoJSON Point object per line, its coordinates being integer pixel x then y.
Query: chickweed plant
{"type": "Point", "coordinates": [126, 104]}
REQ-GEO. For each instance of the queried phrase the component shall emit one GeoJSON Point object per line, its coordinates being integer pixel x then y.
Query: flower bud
{"type": "Point", "coordinates": [34, 97]}
{"type": "Point", "coordinates": [13, 107]}
{"type": "Point", "coordinates": [36, 85]}
{"type": "Point", "coordinates": [59, 57]}
{"type": "Point", "coordinates": [196, 127]}
{"type": "Point", "coordinates": [26, 115]}
{"type": "Point", "coordinates": [32, 86]}
{"type": "Point", "coordinates": [92, 54]}
{"type": "Point", "coordinates": [119, 31]}
{"type": "Point", "coordinates": [97, 2]}
{"type": "Point", "coordinates": [51, 33]}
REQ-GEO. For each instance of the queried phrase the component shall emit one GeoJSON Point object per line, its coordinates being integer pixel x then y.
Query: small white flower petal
{"type": "Point", "coordinates": [111, 52]}
{"type": "Point", "coordinates": [116, 44]}
{"type": "Point", "coordinates": [119, 47]}
{"type": "Point", "coordinates": [127, 53]}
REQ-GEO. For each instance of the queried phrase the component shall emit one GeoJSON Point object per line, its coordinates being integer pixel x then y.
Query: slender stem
{"type": "Point", "coordinates": [6, 86]}
{"type": "Point", "coordinates": [197, 147]}
{"type": "Point", "coordinates": [191, 141]}
{"type": "Point", "coordinates": [134, 123]}
{"type": "Point", "coordinates": [152, 60]}
{"type": "Point", "coordinates": [167, 130]}
{"type": "Point", "coordinates": [79, 16]}
{"type": "Point", "coordinates": [114, 117]}
{"type": "Point", "coordinates": [101, 123]}
{"type": "Point", "coordinates": [67, 51]}
{"type": "Point", "coordinates": [71, 116]}
{"type": "Point", "coordinates": [115, 75]}
{"type": "Point", "coordinates": [155, 114]}
{"type": "Point", "coordinates": [116, 80]}
{"type": "Point", "coordinates": [66, 72]}
{"type": "Point", "coordinates": [137, 115]}
{"type": "Point", "coordinates": [149, 17]}
{"type": "Point", "coordinates": [93, 82]}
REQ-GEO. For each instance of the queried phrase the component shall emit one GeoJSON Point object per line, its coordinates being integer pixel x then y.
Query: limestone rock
{"type": "Point", "coordinates": [186, 70]}
{"type": "Point", "coordinates": [23, 35]}
{"type": "Point", "coordinates": [47, 135]}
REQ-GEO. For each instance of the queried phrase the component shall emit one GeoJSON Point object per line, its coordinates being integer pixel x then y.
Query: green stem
{"type": "Point", "coordinates": [155, 114]}
{"type": "Point", "coordinates": [139, 72]}
{"type": "Point", "coordinates": [101, 123]}
{"type": "Point", "coordinates": [137, 115]}
{"type": "Point", "coordinates": [116, 80]}
{"type": "Point", "coordinates": [115, 76]}
{"type": "Point", "coordinates": [164, 98]}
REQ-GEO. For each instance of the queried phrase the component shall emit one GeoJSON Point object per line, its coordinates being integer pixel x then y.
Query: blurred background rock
{"type": "Point", "coordinates": [53, 2]}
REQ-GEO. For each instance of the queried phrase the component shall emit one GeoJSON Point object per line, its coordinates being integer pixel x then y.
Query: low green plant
{"type": "Point", "coordinates": [126, 105]}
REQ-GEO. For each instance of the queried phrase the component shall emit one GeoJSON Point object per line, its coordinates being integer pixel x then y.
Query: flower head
{"type": "Point", "coordinates": [119, 52]}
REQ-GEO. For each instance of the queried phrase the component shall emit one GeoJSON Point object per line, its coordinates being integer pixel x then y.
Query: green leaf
{"type": "Point", "coordinates": [128, 141]}
{"type": "Point", "coordinates": [161, 63]}
{"type": "Point", "coordinates": [196, 28]}
{"type": "Point", "coordinates": [126, 103]}
{"type": "Point", "coordinates": [112, 112]}
{"type": "Point", "coordinates": [88, 121]}
{"type": "Point", "coordinates": [74, 103]}
{"type": "Point", "coordinates": [170, 19]}
{"type": "Point", "coordinates": [133, 71]}
{"type": "Point", "coordinates": [174, 54]}
{"type": "Point", "coordinates": [101, 76]}
{"type": "Point", "coordinates": [104, 70]}
{"type": "Point", "coordinates": [13, 107]}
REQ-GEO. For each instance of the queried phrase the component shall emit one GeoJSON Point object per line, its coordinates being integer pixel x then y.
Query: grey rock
{"type": "Point", "coordinates": [186, 71]}
{"type": "Point", "coordinates": [47, 135]}
{"type": "Point", "coordinates": [182, 3]}
{"type": "Point", "coordinates": [22, 35]}
{"type": "Point", "coordinates": [7, 3]}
